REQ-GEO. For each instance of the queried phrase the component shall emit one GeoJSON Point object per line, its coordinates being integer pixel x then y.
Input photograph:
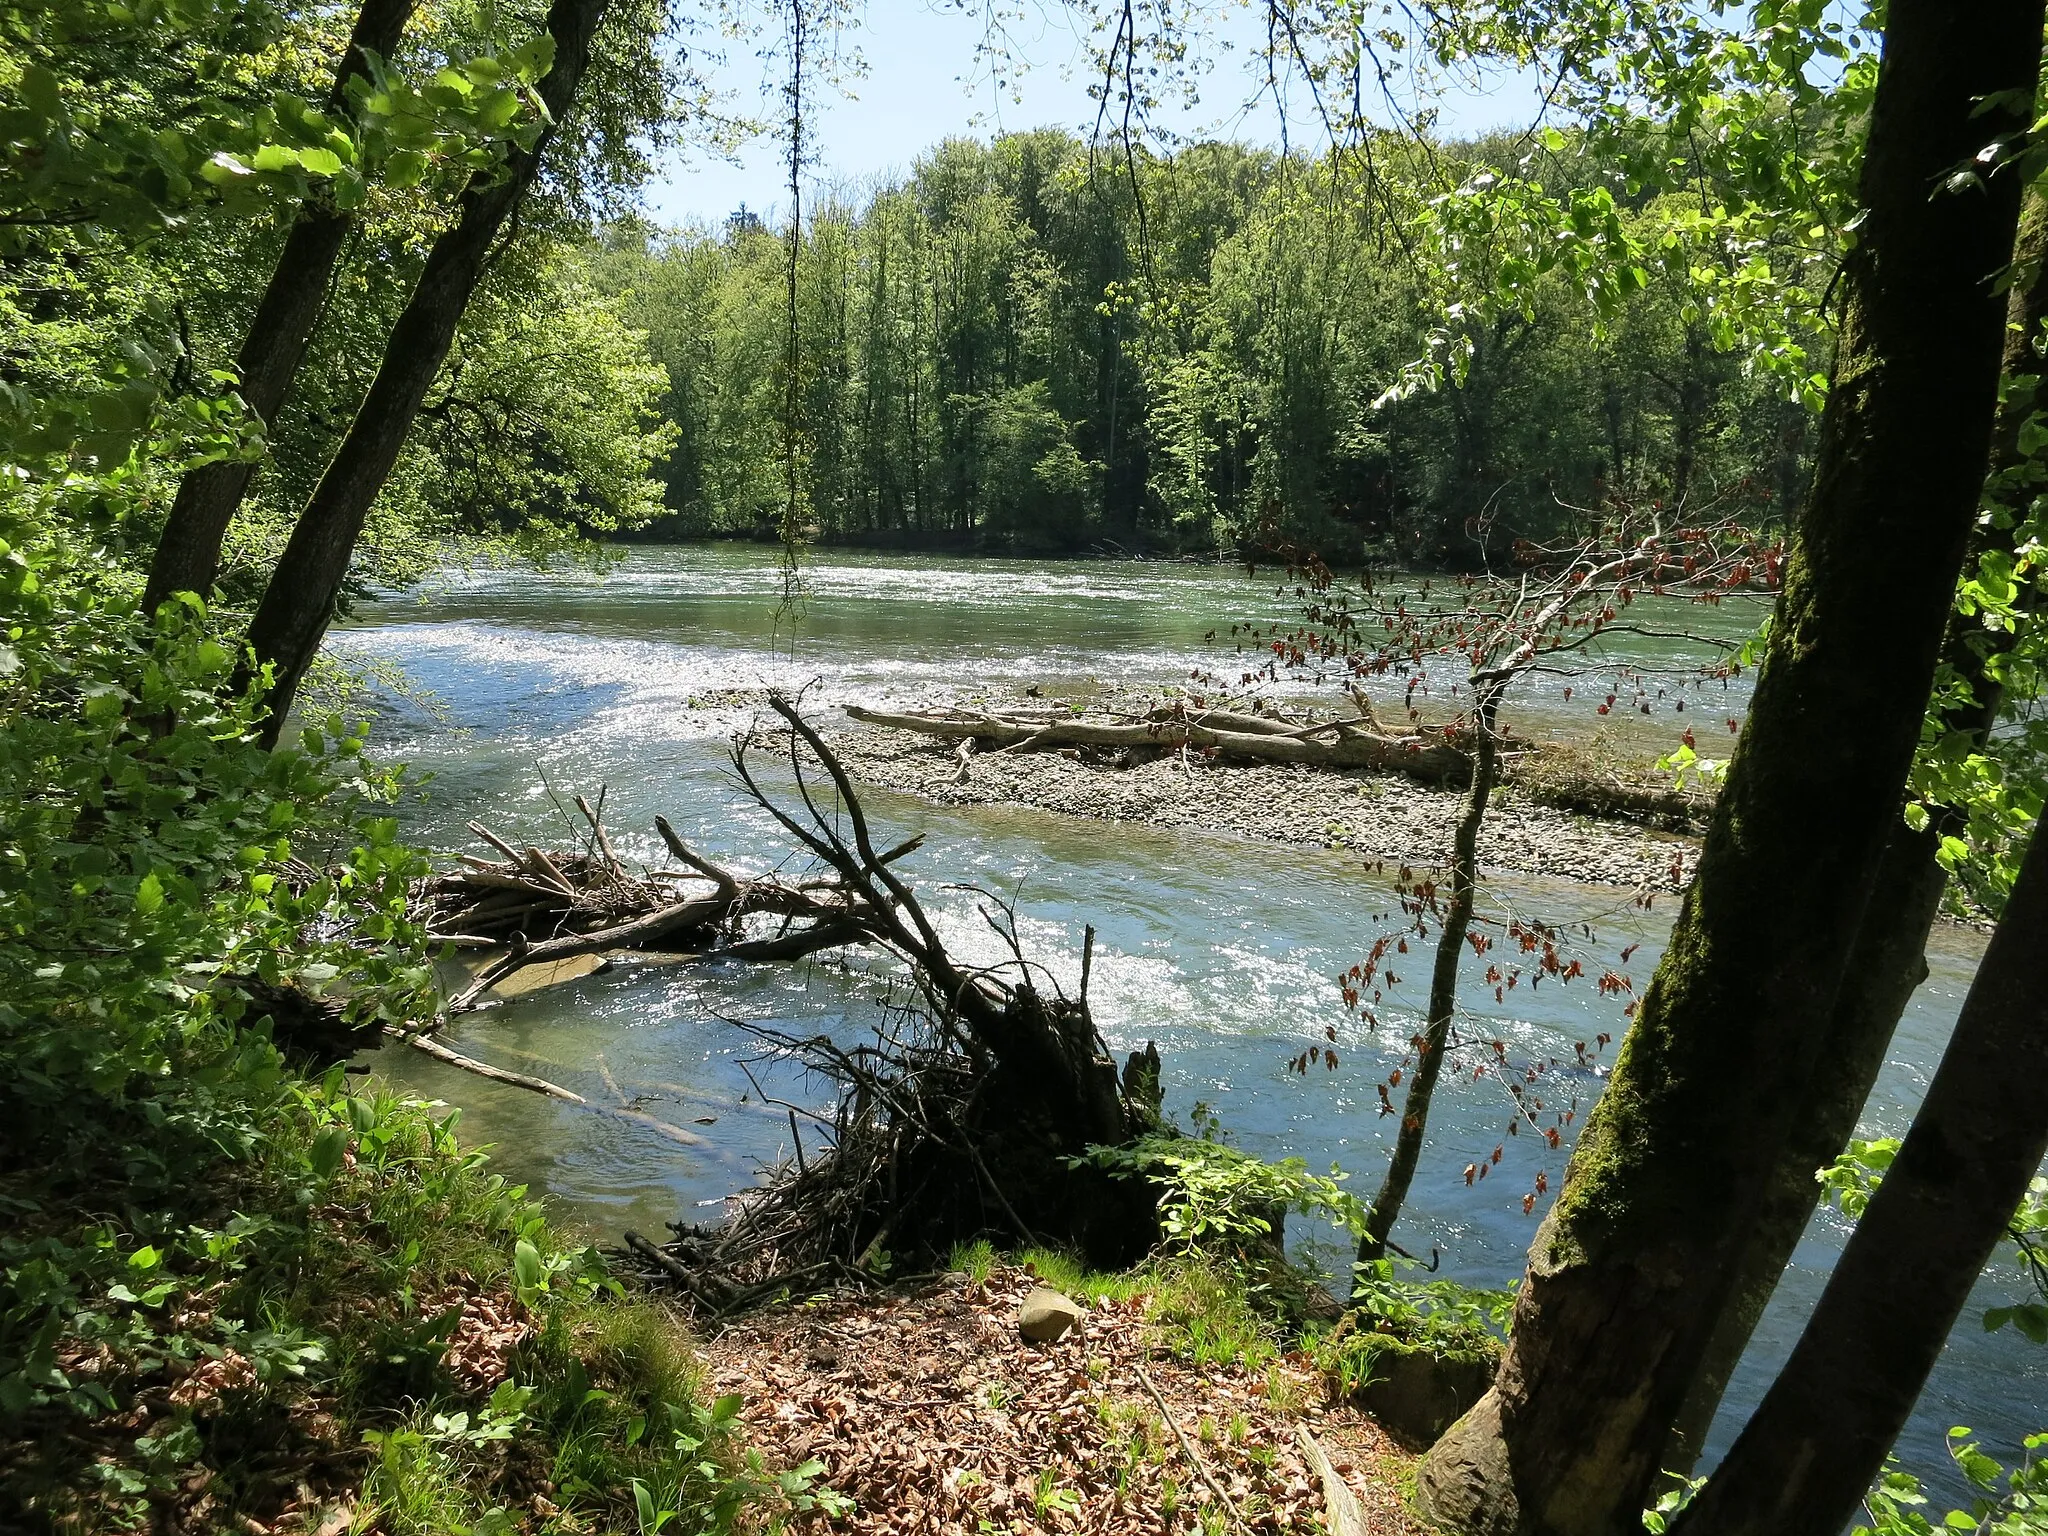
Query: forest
{"type": "Point", "coordinates": [737, 878]}
{"type": "Point", "coordinates": [1033, 345]}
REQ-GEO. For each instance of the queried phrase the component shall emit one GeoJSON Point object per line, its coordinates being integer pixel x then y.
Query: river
{"type": "Point", "coordinates": [1220, 949]}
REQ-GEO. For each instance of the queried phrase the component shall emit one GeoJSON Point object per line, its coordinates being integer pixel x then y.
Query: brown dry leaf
{"type": "Point", "coordinates": [206, 1381]}
{"type": "Point", "coordinates": [935, 1417]}
{"type": "Point", "coordinates": [479, 1350]}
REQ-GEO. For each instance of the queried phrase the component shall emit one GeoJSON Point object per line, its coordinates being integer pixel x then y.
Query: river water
{"type": "Point", "coordinates": [1220, 949]}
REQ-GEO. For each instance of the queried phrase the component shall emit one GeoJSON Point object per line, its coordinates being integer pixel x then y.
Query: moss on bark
{"type": "Point", "coordinates": [1632, 1267]}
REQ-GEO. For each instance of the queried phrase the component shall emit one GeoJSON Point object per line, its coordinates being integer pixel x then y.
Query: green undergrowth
{"type": "Point", "coordinates": [231, 1296]}
{"type": "Point", "coordinates": [348, 1313]}
{"type": "Point", "coordinates": [1391, 1316]}
{"type": "Point", "coordinates": [1204, 1308]}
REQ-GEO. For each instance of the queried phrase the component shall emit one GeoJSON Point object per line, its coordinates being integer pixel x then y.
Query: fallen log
{"type": "Point", "coordinates": [1354, 746]}
{"type": "Point", "coordinates": [1552, 776]}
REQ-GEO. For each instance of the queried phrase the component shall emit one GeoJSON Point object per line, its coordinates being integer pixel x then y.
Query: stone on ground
{"type": "Point", "coordinates": [1046, 1314]}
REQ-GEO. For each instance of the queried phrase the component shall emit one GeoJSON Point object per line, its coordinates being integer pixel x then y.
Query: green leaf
{"type": "Point", "coordinates": [535, 58]}
{"type": "Point", "coordinates": [149, 895]}
{"type": "Point", "coordinates": [527, 1267]}
{"type": "Point", "coordinates": [326, 1152]}
{"type": "Point", "coordinates": [39, 92]}
{"type": "Point", "coordinates": [321, 162]}
{"type": "Point", "coordinates": [223, 169]}
{"type": "Point", "coordinates": [405, 167]}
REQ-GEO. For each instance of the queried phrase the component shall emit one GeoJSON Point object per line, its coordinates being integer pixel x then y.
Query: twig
{"type": "Point", "coordinates": [596, 820]}
{"type": "Point", "coordinates": [671, 1267]}
{"type": "Point", "coordinates": [541, 864]}
{"type": "Point", "coordinates": [440, 1052]}
{"type": "Point", "coordinates": [1200, 1465]}
{"type": "Point", "coordinates": [1343, 1515]}
{"type": "Point", "coordinates": [727, 884]}
{"type": "Point", "coordinates": [496, 841]}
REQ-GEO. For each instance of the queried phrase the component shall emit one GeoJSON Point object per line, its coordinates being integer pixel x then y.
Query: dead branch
{"type": "Point", "coordinates": [440, 1052]}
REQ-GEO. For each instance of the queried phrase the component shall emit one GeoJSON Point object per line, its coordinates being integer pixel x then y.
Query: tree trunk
{"type": "Point", "coordinates": [188, 552]}
{"type": "Point", "coordinates": [1889, 961]}
{"type": "Point", "coordinates": [1632, 1266]}
{"type": "Point", "coordinates": [1822, 1433]}
{"type": "Point", "coordinates": [1443, 984]}
{"type": "Point", "coordinates": [299, 601]}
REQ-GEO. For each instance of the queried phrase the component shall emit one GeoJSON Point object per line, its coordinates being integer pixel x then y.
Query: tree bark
{"type": "Point", "coordinates": [1890, 958]}
{"type": "Point", "coordinates": [1822, 1432]}
{"type": "Point", "coordinates": [1443, 984]}
{"type": "Point", "coordinates": [298, 603]}
{"type": "Point", "coordinates": [1632, 1266]}
{"type": "Point", "coordinates": [188, 552]}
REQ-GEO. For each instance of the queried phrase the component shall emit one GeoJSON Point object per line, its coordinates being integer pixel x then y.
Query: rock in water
{"type": "Point", "coordinates": [1046, 1314]}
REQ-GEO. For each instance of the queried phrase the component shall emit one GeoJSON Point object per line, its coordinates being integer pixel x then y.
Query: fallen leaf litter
{"type": "Point", "coordinates": [933, 1415]}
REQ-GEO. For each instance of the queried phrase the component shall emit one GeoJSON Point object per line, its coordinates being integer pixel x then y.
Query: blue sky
{"type": "Point", "coordinates": [923, 82]}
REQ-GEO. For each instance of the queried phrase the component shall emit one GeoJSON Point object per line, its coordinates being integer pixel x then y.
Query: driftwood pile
{"type": "Point", "coordinates": [544, 908]}
{"type": "Point", "coordinates": [965, 1114]}
{"type": "Point", "coordinates": [959, 1117]}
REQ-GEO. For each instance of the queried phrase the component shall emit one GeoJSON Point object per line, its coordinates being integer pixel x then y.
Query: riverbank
{"type": "Point", "coordinates": [353, 1327]}
{"type": "Point", "coordinates": [331, 1319]}
{"type": "Point", "coordinates": [1380, 816]}
{"type": "Point", "coordinates": [1165, 1399]}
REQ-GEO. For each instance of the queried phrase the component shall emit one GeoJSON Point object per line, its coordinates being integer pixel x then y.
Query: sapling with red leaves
{"type": "Point", "coordinates": [1549, 616]}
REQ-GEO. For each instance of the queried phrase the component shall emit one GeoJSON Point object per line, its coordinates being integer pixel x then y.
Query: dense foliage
{"type": "Point", "coordinates": [153, 167]}
{"type": "Point", "coordinates": [1025, 346]}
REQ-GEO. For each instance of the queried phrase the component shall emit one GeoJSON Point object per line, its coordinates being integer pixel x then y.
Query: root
{"type": "Point", "coordinates": [959, 1116]}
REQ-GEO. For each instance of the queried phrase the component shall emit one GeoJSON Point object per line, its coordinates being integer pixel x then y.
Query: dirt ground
{"type": "Point", "coordinates": [932, 1413]}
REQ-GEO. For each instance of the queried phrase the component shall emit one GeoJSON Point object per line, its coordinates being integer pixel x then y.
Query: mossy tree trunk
{"type": "Point", "coordinates": [299, 601]}
{"type": "Point", "coordinates": [188, 551]}
{"type": "Point", "coordinates": [1631, 1268]}
{"type": "Point", "coordinates": [1443, 982]}
{"type": "Point", "coordinates": [1890, 958]}
{"type": "Point", "coordinates": [1821, 1435]}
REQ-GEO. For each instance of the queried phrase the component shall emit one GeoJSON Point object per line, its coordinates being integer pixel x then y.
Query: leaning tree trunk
{"type": "Point", "coordinates": [1889, 961]}
{"type": "Point", "coordinates": [1629, 1272]}
{"type": "Point", "coordinates": [1443, 984]}
{"type": "Point", "coordinates": [1821, 1435]}
{"type": "Point", "coordinates": [299, 601]}
{"type": "Point", "coordinates": [188, 551]}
